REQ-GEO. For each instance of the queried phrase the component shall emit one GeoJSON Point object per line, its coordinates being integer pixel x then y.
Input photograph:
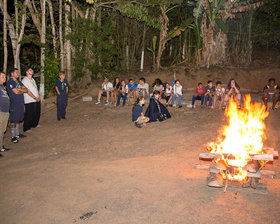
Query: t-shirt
{"type": "Point", "coordinates": [31, 85]}
{"type": "Point", "coordinates": [269, 87]}
{"type": "Point", "coordinates": [136, 112]}
{"type": "Point", "coordinates": [220, 91]}
{"type": "Point", "coordinates": [168, 91]}
{"type": "Point", "coordinates": [12, 84]}
{"type": "Point", "coordinates": [61, 85]}
{"type": "Point", "coordinates": [145, 86]}
{"type": "Point", "coordinates": [200, 91]}
{"type": "Point", "coordinates": [132, 87]}
{"type": "Point", "coordinates": [124, 89]}
{"type": "Point", "coordinates": [108, 86]}
{"type": "Point", "coordinates": [178, 89]}
{"type": "Point", "coordinates": [158, 88]}
{"type": "Point", "coordinates": [4, 100]}
{"type": "Point", "coordinates": [210, 90]}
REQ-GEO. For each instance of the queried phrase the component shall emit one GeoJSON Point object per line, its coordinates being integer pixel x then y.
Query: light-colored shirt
{"type": "Point", "coordinates": [160, 87]}
{"type": "Point", "coordinates": [108, 86]}
{"type": "Point", "coordinates": [145, 86]}
{"type": "Point", "coordinates": [31, 85]}
{"type": "Point", "coordinates": [178, 89]}
{"type": "Point", "coordinates": [124, 89]}
{"type": "Point", "coordinates": [168, 91]}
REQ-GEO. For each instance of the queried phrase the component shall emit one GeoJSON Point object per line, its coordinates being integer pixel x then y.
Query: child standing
{"type": "Point", "coordinates": [61, 87]}
{"type": "Point", "coordinates": [177, 93]}
{"type": "Point", "coordinates": [137, 113]}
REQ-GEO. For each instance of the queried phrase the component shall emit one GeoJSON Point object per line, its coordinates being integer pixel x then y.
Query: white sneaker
{"type": "Point", "coordinates": [107, 103]}
{"type": "Point", "coordinates": [174, 105]}
{"type": "Point", "coordinates": [98, 102]}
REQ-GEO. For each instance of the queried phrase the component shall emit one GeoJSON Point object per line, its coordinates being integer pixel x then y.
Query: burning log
{"type": "Point", "coordinates": [256, 175]}
{"type": "Point", "coordinates": [209, 156]}
{"type": "Point", "coordinates": [252, 166]}
{"type": "Point", "coordinates": [215, 180]}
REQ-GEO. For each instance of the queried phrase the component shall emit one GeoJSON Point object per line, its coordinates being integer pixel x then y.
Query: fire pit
{"type": "Point", "coordinates": [238, 154]}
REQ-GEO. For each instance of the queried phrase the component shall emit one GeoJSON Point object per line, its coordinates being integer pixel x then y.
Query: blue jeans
{"type": "Point", "coordinates": [61, 104]}
{"type": "Point", "coordinates": [174, 97]}
{"type": "Point", "coordinates": [198, 98]}
{"type": "Point", "coordinates": [208, 98]}
{"type": "Point", "coordinates": [120, 95]}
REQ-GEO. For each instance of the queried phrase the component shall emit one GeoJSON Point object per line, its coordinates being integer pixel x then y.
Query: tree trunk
{"type": "Point", "coordinates": [62, 66]}
{"type": "Point", "coordinates": [143, 48]}
{"type": "Point", "coordinates": [162, 36]}
{"type": "Point", "coordinates": [43, 48]}
{"type": "Point", "coordinates": [68, 43]}
{"type": "Point", "coordinates": [5, 37]}
{"type": "Point", "coordinates": [54, 39]}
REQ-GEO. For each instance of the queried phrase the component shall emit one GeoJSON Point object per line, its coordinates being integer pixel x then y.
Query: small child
{"type": "Point", "coordinates": [199, 94]}
{"type": "Point", "coordinates": [61, 87]}
{"type": "Point", "coordinates": [219, 94]}
{"type": "Point", "coordinates": [137, 113]}
{"type": "Point", "coordinates": [209, 93]}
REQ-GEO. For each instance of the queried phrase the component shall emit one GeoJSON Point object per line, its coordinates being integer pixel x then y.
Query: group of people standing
{"type": "Point", "coordinates": [19, 101]}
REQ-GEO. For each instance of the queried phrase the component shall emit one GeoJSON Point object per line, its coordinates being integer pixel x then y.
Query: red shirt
{"type": "Point", "coordinates": [200, 91]}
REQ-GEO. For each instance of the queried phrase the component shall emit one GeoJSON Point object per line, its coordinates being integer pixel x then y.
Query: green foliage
{"type": "Point", "coordinates": [51, 70]}
{"type": "Point", "coordinates": [95, 52]}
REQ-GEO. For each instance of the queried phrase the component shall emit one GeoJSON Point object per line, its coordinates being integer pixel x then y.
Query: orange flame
{"type": "Point", "coordinates": [244, 135]}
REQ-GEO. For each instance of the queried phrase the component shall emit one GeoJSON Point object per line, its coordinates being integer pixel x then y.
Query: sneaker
{"type": "Point", "coordinates": [180, 106]}
{"type": "Point", "coordinates": [15, 140]}
{"type": "Point", "coordinates": [63, 117]}
{"type": "Point", "coordinates": [20, 136]}
{"type": "Point", "coordinates": [138, 125]}
{"type": "Point", "coordinates": [98, 102]}
{"type": "Point", "coordinates": [4, 149]}
{"type": "Point", "coordinates": [107, 103]}
{"type": "Point", "coordinates": [173, 105]}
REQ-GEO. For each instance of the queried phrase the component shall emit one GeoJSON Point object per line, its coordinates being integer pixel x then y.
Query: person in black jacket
{"type": "Point", "coordinates": [156, 111]}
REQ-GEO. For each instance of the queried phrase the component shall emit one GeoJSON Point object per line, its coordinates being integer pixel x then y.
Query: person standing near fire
{"type": "Point", "coordinates": [271, 93]}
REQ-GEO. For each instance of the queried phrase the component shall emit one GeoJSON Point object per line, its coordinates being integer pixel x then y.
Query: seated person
{"type": "Point", "coordinates": [232, 91]}
{"type": "Point", "coordinates": [131, 90]}
{"type": "Point", "coordinates": [115, 91]}
{"type": "Point", "coordinates": [177, 93]}
{"type": "Point", "coordinates": [271, 93]}
{"type": "Point", "coordinates": [137, 113]}
{"type": "Point", "coordinates": [198, 94]}
{"type": "Point", "coordinates": [219, 95]}
{"type": "Point", "coordinates": [107, 87]}
{"type": "Point", "coordinates": [209, 93]}
{"type": "Point", "coordinates": [158, 85]}
{"type": "Point", "coordinates": [167, 93]}
{"type": "Point", "coordinates": [156, 111]}
{"type": "Point", "coordinates": [142, 89]}
{"type": "Point", "coordinates": [122, 93]}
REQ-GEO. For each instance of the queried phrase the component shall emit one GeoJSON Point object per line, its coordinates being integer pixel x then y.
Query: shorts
{"type": "Point", "coordinates": [16, 112]}
{"type": "Point", "coordinates": [104, 93]}
{"type": "Point", "coordinates": [271, 97]}
{"type": "Point", "coordinates": [219, 98]}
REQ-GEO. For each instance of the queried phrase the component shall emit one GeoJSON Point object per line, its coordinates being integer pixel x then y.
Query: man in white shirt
{"type": "Point", "coordinates": [142, 89]}
{"type": "Point", "coordinates": [32, 102]}
{"type": "Point", "coordinates": [107, 87]}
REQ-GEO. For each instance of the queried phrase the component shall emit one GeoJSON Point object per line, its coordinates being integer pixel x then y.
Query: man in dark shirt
{"type": "Point", "coordinates": [15, 90]}
{"type": "Point", "coordinates": [4, 110]}
{"type": "Point", "coordinates": [271, 93]}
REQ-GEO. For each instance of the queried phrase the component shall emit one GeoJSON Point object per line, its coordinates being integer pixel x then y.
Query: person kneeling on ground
{"type": "Point", "coordinates": [156, 111]}
{"type": "Point", "coordinates": [233, 92]}
{"type": "Point", "coordinates": [271, 93]}
{"type": "Point", "coordinates": [137, 113]}
{"type": "Point", "coordinates": [199, 94]}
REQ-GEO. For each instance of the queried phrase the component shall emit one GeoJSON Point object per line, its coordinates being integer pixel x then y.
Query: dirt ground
{"type": "Point", "coordinates": [97, 167]}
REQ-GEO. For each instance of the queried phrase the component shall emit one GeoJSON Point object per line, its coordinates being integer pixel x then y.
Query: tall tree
{"type": "Point", "coordinates": [5, 36]}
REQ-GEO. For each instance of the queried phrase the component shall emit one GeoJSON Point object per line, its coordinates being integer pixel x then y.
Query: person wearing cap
{"type": "Point", "coordinates": [105, 90]}
{"type": "Point", "coordinates": [61, 87]}
{"type": "Point", "coordinates": [271, 93]}
{"type": "Point", "coordinates": [4, 110]}
{"type": "Point", "coordinates": [16, 89]}
{"type": "Point", "coordinates": [32, 104]}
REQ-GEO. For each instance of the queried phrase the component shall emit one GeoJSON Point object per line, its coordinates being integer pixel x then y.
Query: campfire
{"type": "Point", "coordinates": [238, 155]}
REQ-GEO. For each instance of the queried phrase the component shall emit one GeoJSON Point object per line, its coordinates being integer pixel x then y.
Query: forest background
{"type": "Point", "coordinates": [89, 39]}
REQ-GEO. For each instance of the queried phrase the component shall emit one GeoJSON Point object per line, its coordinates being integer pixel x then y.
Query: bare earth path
{"type": "Point", "coordinates": [96, 167]}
